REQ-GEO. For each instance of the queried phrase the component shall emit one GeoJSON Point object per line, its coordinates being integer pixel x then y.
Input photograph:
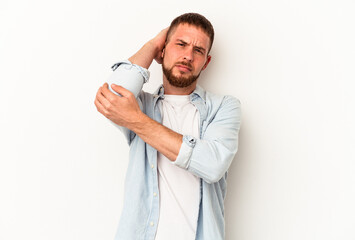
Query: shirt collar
{"type": "Point", "coordinates": [199, 92]}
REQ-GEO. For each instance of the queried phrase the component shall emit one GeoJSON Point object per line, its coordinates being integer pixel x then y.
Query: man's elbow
{"type": "Point", "coordinates": [216, 175]}
{"type": "Point", "coordinates": [212, 179]}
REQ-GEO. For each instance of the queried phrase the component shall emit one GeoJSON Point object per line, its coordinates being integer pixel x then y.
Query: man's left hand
{"type": "Point", "coordinates": [122, 110]}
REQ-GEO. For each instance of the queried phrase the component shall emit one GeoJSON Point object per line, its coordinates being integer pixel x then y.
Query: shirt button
{"type": "Point", "coordinates": [152, 166]}
{"type": "Point", "coordinates": [155, 194]}
{"type": "Point", "coordinates": [151, 224]}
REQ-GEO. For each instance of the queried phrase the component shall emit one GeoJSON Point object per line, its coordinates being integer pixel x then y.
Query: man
{"type": "Point", "coordinates": [182, 139]}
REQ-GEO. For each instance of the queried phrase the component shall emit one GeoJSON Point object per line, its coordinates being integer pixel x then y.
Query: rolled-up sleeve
{"type": "Point", "coordinates": [211, 156]}
{"type": "Point", "coordinates": [132, 77]}
{"type": "Point", "coordinates": [128, 75]}
{"type": "Point", "coordinates": [145, 73]}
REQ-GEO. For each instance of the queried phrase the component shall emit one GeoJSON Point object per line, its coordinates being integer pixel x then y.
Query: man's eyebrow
{"type": "Point", "coordinates": [197, 47]}
{"type": "Point", "coordinates": [182, 41]}
{"type": "Point", "coordinates": [200, 48]}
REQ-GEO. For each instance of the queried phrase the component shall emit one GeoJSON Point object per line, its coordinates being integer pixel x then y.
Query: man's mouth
{"type": "Point", "coordinates": [183, 68]}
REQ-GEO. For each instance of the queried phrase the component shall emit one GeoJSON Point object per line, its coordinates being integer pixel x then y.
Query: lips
{"type": "Point", "coordinates": [183, 68]}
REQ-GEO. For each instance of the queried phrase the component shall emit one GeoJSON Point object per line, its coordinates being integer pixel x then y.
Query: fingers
{"type": "Point", "coordinates": [110, 95]}
{"type": "Point", "coordinates": [121, 90]}
{"type": "Point", "coordinates": [101, 98]}
{"type": "Point", "coordinates": [106, 92]}
{"type": "Point", "coordinates": [105, 98]}
{"type": "Point", "coordinates": [99, 107]}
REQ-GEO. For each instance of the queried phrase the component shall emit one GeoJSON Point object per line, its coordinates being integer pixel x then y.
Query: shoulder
{"type": "Point", "coordinates": [223, 111]}
{"type": "Point", "coordinates": [221, 101]}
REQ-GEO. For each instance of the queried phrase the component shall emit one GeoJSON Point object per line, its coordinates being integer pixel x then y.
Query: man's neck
{"type": "Point", "coordinates": [171, 90]}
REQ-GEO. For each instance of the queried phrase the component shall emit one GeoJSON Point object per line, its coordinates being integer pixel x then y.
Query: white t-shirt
{"type": "Point", "coordinates": [179, 189]}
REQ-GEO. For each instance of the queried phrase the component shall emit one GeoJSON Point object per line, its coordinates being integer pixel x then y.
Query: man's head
{"type": "Point", "coordinates": [196, 20]}
{"type": "Point", "coordinates": [189, 41]}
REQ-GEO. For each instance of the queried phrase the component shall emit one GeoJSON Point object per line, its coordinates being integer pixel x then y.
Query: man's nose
{"type": "Point", "coordinates": [188, 55]}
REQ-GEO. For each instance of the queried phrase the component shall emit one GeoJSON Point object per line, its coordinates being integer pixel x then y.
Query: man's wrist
{"type": "Point", "coordinates": [153, 46]}
{"type": "Point", "coordinates": [138, 124]}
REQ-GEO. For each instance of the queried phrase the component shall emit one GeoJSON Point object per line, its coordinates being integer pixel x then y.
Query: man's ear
{"type": "Point", "coordinates": [207, 62]}
{"type": "Point", "coordinates": [162, 53]}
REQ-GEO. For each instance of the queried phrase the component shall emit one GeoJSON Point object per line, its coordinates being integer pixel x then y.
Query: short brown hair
{"type": "Point", "coordinates": [196, 20]}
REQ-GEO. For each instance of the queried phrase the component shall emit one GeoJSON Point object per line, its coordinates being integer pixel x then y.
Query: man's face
{"type": "Point", "coordinates": [185, 55]}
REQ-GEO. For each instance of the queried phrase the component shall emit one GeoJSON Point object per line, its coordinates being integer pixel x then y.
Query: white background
{"type": "Point", "coordinates": [291, 64]}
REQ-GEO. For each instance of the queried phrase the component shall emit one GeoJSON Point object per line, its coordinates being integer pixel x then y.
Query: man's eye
{"type": "Point", "coordinates": [180, 44]}
{"type": "Point", "coordinates": [199, 51]}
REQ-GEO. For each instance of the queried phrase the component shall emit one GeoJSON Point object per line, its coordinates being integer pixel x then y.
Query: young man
{"type": "Point", "coordinates": [182, 139]}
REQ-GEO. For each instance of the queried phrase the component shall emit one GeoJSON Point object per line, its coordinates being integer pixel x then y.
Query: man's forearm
{"type": "Point", "coordinates": [163, 139]}
{"type": "Point", "coordinates": [151, 50]}
{"type": "Point", "coordinates": [144, 57]}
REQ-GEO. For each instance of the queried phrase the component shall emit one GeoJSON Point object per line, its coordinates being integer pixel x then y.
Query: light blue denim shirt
{"type": "Point", "coordinates": [207, 157]}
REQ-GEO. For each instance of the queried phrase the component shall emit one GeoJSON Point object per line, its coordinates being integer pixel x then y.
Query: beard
{"type": "Point", "coordinates": [180, 82]}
